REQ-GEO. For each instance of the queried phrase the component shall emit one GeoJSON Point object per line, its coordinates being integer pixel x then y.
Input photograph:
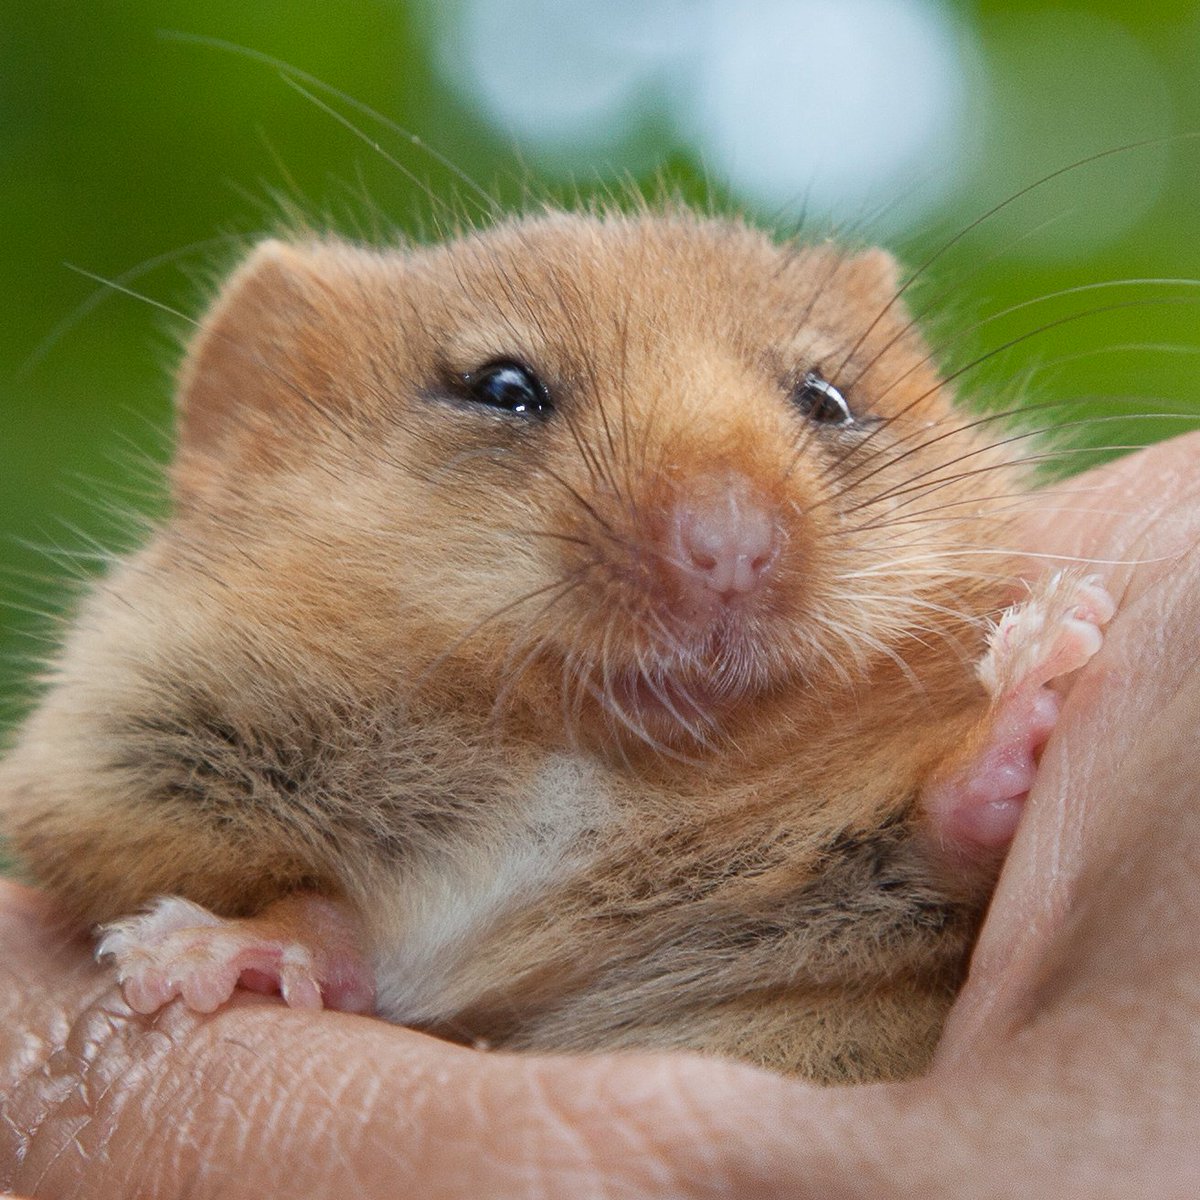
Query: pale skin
{"type": "Point", "coordinates": [1070, 1067]}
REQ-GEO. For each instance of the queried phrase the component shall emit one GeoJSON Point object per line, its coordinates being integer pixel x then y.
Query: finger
{"type": "Point", "coordinates": [1106, 802]}
{"type": "Point", "coordinates": [259, 1100]}
{"type": "Point", "coordinates": [1134, 517]}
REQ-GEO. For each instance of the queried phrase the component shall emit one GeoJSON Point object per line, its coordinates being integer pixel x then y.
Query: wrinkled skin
{"type": "Point", "coordinates": [1070, 1067]}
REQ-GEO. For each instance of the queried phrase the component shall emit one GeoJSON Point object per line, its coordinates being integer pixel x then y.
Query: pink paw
{"type": "Point", "coordinates": [1050, 635]}
{"type": "Point", "coordinates": [304, 947]}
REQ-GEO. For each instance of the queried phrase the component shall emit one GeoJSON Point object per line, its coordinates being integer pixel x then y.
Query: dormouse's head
{"type": "Point", "coordinates": [629, 476]}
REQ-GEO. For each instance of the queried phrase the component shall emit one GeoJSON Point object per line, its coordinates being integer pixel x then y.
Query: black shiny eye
{"type": "Point", "coordinates": [819, 400]}
{"type": "Point", "coordinates": [511, 386]}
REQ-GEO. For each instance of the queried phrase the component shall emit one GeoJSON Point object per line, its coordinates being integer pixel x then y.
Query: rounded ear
{"type": "Point", "coordinates": [264, 363]}
{"type": "Point", "coordinates": [875, 272]}
{"type": "Point", "coordinates": [233, 362]}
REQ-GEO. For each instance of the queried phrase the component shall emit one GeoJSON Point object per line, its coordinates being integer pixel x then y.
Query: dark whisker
{"type": "Point", "coordinates": [945, 381]}
{"type": "Point", "coordinates": [950, 243]}
{"type": "Point", "coordinates": [991, 418]}
{"type": "Point", "coordinates": [1078, 289]}
{"type": "Point", "coordinates": [564, 585]}
{"type": "Point", "coordinates": [1024, 435]}
{"type": "Point", "coordinates": [292, 74]}
{"type": "Point", "coordinates": [936, 484]}
{"type": "Point", "coordinates": [939, 297]}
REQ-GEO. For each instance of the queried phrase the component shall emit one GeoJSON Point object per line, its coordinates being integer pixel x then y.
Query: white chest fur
{"type": "Point", "coordinates": [445, 905]}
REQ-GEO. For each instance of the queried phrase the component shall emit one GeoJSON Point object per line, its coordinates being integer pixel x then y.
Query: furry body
{"type": "Point", "coordinates": [441, 662]}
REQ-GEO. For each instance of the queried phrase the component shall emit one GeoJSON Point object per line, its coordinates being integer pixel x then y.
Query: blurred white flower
{"type": "Point", "coordinates": [833, 104]}
{"type": "Point", "coordinates": [868, 111]}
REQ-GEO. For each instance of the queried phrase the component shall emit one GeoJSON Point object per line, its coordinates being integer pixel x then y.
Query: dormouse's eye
{"type": "Point", "coordinates": [819, 400]}
{"type": "Point", "coordinates": [511, 386]}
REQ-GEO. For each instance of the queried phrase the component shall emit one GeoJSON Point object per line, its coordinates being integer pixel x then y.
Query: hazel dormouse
{"type": "Point", "coordinates": [597, 631]}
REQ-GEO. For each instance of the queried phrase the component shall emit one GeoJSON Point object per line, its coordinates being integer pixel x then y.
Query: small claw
{"type": "Point", "coordinates": [1047, 636]}
{"type": "Point", "coordinates": [1094, 602]}
{"type": "Point", "coordinates": [299, 990]}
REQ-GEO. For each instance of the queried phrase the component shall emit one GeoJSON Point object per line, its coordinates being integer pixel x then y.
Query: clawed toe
{"type": "Point", "coordinates": [303, 947]}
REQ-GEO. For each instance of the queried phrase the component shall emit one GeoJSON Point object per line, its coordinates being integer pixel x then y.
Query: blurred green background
{"type": "Point", "coordinates": [119, 148]}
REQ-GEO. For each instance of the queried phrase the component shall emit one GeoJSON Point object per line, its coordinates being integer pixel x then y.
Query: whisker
{"type": "Point", "coordinates": [332, 419]}
{"type": "Point", "coordinates": [1046, 327]}
{"type": "Point", "coordinates": [511, 675]}
{"type": "Point", "coordinates": [1011, 414]}
{"type": "Point", "coordinates": [1017, 552]}
{"type": "Point", "coordinates": [919, 315]}
{"type": "Point", "coordinates": [693, 731]}
{"type": "Point", "coordinates": [87, 306]}
{"type": "Point", "coordinates": [967, 229]}
{"type": "Point", "coordinates": [935, 484]}
{"type": "Point", "coordinates": [931, 516]}
{"type": "Point", "coordinates": [611, 705]}
{"type": "Point", "coordinates": [291, 74]}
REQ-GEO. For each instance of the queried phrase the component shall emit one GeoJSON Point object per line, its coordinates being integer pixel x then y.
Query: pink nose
{"type": "Point", "coordinates": [725, 537]}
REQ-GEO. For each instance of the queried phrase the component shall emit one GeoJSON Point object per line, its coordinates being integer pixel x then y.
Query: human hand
{"type": "Point", "coordinates": [1070, 1067]}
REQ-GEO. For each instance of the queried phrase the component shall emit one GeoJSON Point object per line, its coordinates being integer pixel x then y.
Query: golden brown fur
{"type": "Point", "coordinates": [390, 644]}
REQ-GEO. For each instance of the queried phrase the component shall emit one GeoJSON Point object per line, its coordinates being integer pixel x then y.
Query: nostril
{"type": "Point", "coordinates": [762, 562]}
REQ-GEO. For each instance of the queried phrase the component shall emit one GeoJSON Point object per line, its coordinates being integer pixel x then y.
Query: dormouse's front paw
{"type": "Point", "coordinates": [304, 947]}
{"type": "Point", "coordinates": [978, 802]}
{"type": "Point", "coordinates": [1051, 634]}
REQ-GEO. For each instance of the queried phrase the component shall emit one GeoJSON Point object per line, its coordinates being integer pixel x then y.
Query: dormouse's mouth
{"type": "Point", "coordinates": [690, 701]}
{"type": "Point", "coordinates": [688, 695]}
